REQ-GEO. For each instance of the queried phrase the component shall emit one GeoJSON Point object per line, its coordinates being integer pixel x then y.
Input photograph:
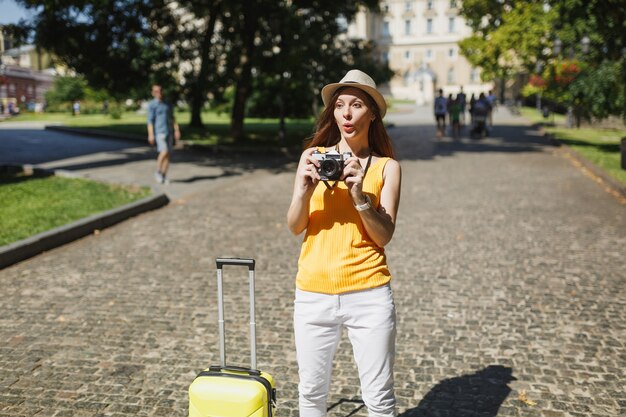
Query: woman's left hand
{"type": "Point", "coordinates": [353, 175]}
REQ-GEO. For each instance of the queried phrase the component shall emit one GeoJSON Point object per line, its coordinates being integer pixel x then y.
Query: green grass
{"type": "Point", "coordinates": [599, 146]}
{"type": "Point", "coordinates": [32, 205]}
{"type": "Point", "coordinates": [258, 132]}
{"type": "Point", "coordinates": [535, 116]}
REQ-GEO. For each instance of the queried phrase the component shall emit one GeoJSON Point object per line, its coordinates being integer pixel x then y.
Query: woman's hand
{"type": "Point", "coordinates": [353, 175]}
{"type": "Point", "coordinates": [307, 176]}
{"type": "Point", "coordinates": [378, 221]}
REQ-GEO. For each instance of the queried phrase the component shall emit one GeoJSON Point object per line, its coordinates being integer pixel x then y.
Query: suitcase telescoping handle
{"type": "Point", "coordinates": [220, 307]}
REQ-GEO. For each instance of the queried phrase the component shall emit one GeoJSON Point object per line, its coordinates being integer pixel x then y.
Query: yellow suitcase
{"type": "Point", "coordinates": [231, 391]}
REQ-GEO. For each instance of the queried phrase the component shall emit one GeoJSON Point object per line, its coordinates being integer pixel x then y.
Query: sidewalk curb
{"type": "Point", "coordinates": [613, 186]}
{"type": "Point", "coordinates": [50, 239]}
{"type": "Point", "coordinates": [616, 186]}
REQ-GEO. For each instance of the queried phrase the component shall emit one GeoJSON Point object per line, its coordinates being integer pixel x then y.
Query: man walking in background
{"type": "Point", "coordinates": [491, 99]}
{"type": "Point", "coordinates": [162, 131]}
{"type": "Point", "coordinates": [441, 108]}
{"type": "Point", "coordinates": [462, 100]}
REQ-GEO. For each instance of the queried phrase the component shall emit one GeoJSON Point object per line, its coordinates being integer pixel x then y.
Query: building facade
{"type": "Point", "coordinates": [25, 76]}
{"type": "Point", "coordinates": [419, 40]}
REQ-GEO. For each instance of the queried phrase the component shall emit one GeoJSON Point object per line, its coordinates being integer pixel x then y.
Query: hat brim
{"type": "Point", "coordinates": [330, 89]}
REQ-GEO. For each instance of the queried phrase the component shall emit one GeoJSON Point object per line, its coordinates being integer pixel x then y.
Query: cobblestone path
{"type": "Point", "coordinates": [509, 280]}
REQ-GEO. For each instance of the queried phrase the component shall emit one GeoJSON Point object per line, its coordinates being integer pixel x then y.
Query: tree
{"type": "Point", "coordinates": [114, 44]}
{"type": "Point", "coordinates": [17, 34]}
{"type": "Point", "coordinates": [597, 90]}
{"type": "Point", "coordinates": [301, 46]}
{"type": "Point", "coordinates": [512, 37]}
{"type": "Point", "coordinates": [508, 40]}
{"type": "Point", "coordinates": [603, 23]}
{"type": "Point", "coordinates": [66, 90]}
{"type": "Point", "coordinates": [205, 48]}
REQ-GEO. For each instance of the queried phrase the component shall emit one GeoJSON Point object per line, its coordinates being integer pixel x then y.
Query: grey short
{"type": "Point", "coordinates": [164, 142]}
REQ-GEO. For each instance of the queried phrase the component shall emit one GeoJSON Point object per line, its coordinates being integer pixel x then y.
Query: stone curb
{"type": "Point", "coordinates": [611, 182]}
{"type": "Point", "coordinates": [597, 171]}
{"type": "Point", "coordinates": [50, 239]}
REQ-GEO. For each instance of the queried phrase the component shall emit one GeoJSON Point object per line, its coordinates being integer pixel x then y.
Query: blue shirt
{"type": "Point", "coordinates": [161, 117]}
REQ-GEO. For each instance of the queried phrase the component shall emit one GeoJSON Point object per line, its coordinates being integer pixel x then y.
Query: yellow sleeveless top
{"type": "Point", "coordinates": [337, 255]}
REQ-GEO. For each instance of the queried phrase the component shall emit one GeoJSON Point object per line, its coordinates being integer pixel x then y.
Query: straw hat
{"type": "Point", "coordinates": [357, 79]}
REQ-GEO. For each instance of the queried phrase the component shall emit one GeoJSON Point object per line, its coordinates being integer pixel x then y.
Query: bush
{"type": "Point", "coordinates": [116, 111]}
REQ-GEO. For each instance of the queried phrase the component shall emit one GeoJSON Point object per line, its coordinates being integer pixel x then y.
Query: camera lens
{"type": "Point", "coordinates": [329, 168]}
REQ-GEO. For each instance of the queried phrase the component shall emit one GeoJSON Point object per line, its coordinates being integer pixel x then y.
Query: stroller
{"type": "Point", "coordinates": [479, 121]}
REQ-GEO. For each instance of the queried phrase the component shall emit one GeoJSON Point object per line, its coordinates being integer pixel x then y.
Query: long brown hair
{"type": "Point", "coordinates": [327, 132]}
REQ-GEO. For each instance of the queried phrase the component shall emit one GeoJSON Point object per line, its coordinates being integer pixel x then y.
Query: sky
{"type": "Point", "coordinates": [10, 12]}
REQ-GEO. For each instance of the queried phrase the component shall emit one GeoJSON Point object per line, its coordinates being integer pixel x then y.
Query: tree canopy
{"type": "Point", "coordinates": [574, 49]}
{"type": "Point", "coordinates": [277, 52]}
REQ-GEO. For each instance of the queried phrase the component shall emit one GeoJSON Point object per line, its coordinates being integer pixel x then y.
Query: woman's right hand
{"type": "Point", "coordinates": [307, 176]}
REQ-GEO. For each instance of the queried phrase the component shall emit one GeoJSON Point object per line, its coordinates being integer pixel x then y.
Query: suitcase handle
{"type": "Point", "coordinates": [234, 261]}
{"type": "Point", "coordinates": [215, 368]}
{"type": "Point", "coordinates": [220, 262]}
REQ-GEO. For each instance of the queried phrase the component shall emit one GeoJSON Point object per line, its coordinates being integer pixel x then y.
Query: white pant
{"type": "Point", "coordinates": [370, 318]}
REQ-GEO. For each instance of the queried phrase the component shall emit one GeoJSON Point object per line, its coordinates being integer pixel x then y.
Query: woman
{"type": "Point", "coordinates": [343, 279]}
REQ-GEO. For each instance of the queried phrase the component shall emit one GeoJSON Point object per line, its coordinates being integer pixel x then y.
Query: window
{"type": "Point", "coordinates": [451, 24]}
{"type": "Point", "coordinates": [429, 25]}
{"type": "Point", "coordinates": [385, 8]}
{"type": "Point", "coordinates": [451, 76]}
{"type": "Point", "coordinates": [407, 78]}
{"type": "Point", "coordinates": [429, 54]}
{"type": "Point", "coordinates": [386, 31]}
{"type": "Point", "coordinates": [453, 4]}
{"type": "Point", "coordinates": [429, 4]}
{"type": "Point", "coordinates": [407, 55]}
{"type": "Point", "coordinates": [451, 52]}
{"type": "Point", "coordinates": [408, 5]}
{"type": "Point", "coordinates": [474, 75]}
{"type": "Point", "coordinates": [407, 27]}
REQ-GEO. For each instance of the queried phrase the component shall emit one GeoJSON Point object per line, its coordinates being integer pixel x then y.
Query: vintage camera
{"type": "Point", "coordinates": [331, 164]}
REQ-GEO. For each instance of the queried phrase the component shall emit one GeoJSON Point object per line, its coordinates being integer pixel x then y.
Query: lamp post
{"type": "Point", "coordinates": [538, 68]}
{"type": "Point", "coordinates": [584, 42]}
{"type": "Point", "coordinates": [558, 45]}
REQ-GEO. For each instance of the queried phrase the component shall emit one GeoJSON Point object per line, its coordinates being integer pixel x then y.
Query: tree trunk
{"type": "Point", "coordinates": [198, 95]}
{"type": "Point", "coordinates": [281, 124]}
{"type": "Point", "coordinates": [624, 87]}
{"type": "Point", "coordinates": [244, 83]}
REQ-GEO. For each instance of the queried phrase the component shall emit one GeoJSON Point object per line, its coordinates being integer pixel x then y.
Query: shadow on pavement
{"type": "Point", "coordinates": [32, 146]}
{"type": "Point", "coordinates": [413, 141]}
{"type": "Point", "coordinates": [479, 394]}
{"type": "Point", "coordinates": [36, 146]}
{"type": "Point", "coordinates": [504, 139]}
{"type": "Point", "coordinates": [358, 404]}
{"type": "Point", "coordinates": [231, 163]}
{"type": "Point", "coordinates": [124, 158]}
{"type": "Point", "coordinates": [195, 178]}
{"type": "Point", "coordinates": [14, 175]}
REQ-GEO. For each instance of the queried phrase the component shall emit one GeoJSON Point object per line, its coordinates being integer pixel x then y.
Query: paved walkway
{"type": "Point", "coordinates": [508, 267]}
